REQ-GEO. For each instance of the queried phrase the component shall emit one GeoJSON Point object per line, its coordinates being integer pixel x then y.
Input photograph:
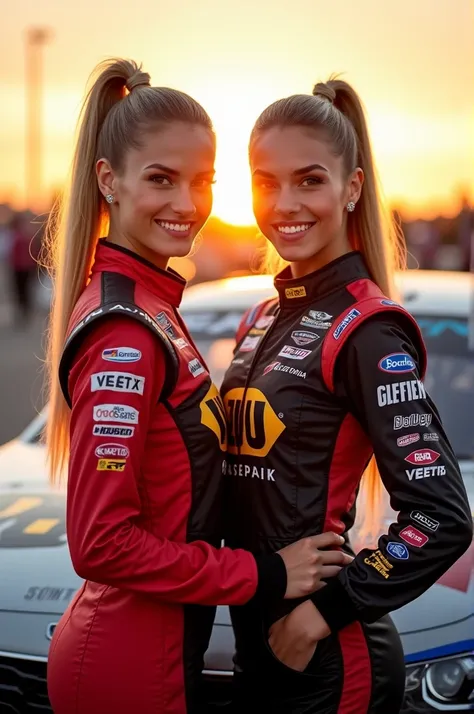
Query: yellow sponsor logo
{"type": "Point", "coordinates": [380, 563]}
{"type": "Point", "coordinates": [295, 292]}
{"type": "Point", "coordinates": [111, 464]}
{"type": "Point", "coordinates": [213, 415]}
{"type": "Point", "coordinates": [253, 427]}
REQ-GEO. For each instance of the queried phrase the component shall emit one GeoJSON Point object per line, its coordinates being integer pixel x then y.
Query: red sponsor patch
{"type": "Point", "coordinates": [270, 367]}
{"type": "Point", "coordinates": [423, 456]}
{"type": "Point", "coordinates": [408, 439]}
{"type": "Point", "coordinates": [413, 536]}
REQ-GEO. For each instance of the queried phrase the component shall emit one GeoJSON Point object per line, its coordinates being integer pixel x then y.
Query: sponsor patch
{"type": "Point", "coordinates": [244, 471]}
{"type": "Point", "coordinates": [398, 392]}
{"type": "Point", "coordinates": [116, 413]}
{"type": "Point", "coordinates": [397, 363]}
{"type": "Point", "coordinates": [195, 367]}
{"type": "Point", "coordinates": [318, 324]}
{"type": "Point", "coordinates": [424, 521]}
{"type": "Point", "coordinates": [350, 317]}
{"type": "Point", "coordinates": [423, 456]}
{"type": "Point", "coordinates": [163, 321]}
{"type": "Point", "coordinates": [238, 360]}
{"type": "Point", "coordinates": [380, 563]}
{"type": "Point", "coordinates": [290, 352]}
{"type": "Point", "coordinates": [117, 382]}
{"type": "Point", "coordinates": [389, 302]}
{"type": "Point", "coordinates": [301, 337]}
{"type": "Point", "coordinates": [112, 451]}
{"type": "Point", "coordinates": [408, 422]}
{"type": "Point", "coordinates": [413, 536]}
{"type": "Point", "coordinates": [264, 322]}
{"type": "Point", "coordinates": [425, 472]}
{"type": "Point", "coordinates": [398, 551]}
{"type": "Point", "coordinates": [121, 354]}
{"type": "Point", "coordinates": [120, 432]}
{"type": "Point", "coordinates": [249, 344]}
{"type": "Point", "coordinates": [256, 331]}
{"type": "Point", "coordinates": [298, 292]}
{"type": "Point", "coordinates": [408, 439]}
{"type": "Point", "coordinates": [318, 315]}
{"type": "Point", "coordinates": [256, 433]}
{"type": "Point", "coordinates": [430, 437]}
{"type": "Point", "coordinates": [111, 464]}
{"type": "Point", "coordinates": [279, 367]}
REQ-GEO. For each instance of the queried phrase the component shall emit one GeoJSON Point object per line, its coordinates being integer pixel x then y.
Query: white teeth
{"type": "Point", "coordinates": [181, 227]}
{"type": "Point", "coordinates": [294, 229]}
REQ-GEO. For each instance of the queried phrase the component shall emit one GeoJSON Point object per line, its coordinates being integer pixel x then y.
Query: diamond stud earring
{"type": "Point", "coordinates": [109, 198]}
{"type": "Point", "coordinates": [350, 206]}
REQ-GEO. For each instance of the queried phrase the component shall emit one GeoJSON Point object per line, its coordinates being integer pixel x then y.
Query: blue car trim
{"type": "Point", "coordinates": [464, 647]}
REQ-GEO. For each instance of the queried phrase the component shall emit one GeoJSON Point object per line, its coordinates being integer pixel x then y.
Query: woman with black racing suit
{"type": "Point", "coordinates": [325, 377]}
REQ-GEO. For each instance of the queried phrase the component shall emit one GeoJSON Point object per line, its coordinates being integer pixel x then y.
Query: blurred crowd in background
{"type": "Point", "coordinates": [443, 243]}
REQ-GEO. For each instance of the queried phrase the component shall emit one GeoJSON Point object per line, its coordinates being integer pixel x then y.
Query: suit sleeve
{"type": "Point", "coordinates": [112, 404]}
{"type": "Point", "coordinates": [378, 377]}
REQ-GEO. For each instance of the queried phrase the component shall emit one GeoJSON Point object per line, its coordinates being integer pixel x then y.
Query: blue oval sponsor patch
{"type": "Point", "coordinates": [398, 551]}
{"type": "Point", "coordinates": [397, 363]}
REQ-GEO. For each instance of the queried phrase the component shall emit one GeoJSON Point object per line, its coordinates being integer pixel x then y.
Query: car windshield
{"type": "Point", "coordinates": [449, 378]}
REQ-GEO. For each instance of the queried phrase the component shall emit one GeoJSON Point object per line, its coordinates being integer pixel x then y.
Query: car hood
{"type": "Point", "coordinates": [34, 557]}
{"type": "Point", "coordinates": [34, 553]}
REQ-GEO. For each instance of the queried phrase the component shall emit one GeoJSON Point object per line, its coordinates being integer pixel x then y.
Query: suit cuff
{"type": "Point", "coordinates": [272, 578]}
{"type": "Point", "coordinates": [335, 605]}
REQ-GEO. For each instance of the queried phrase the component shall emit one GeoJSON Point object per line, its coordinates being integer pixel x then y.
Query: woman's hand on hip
{"type": "Point", "coordinates": [294, 638]}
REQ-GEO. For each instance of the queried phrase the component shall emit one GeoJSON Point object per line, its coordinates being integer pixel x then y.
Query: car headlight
{"type": "Point", "coordinates": [445, 684]}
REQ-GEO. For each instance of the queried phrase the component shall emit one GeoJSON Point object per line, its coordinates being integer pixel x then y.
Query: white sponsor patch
{"type": "Point", "coordinates": [119, 432]}
{"type": "Point", "coordinates": [112, 451]}
{"type": "Point", "coordinates": [318, 315]}
{"type": "Point", "coordinates": [249, 343]}
{"type": "Point", "coordinates": [195, 367]}
{"type": "Point", "coordinates": [303, 337]}
{"type": "Point", "coordinates": [318, 324]}
{"type": "Point", "coordinates": [279, 367]}
{"type": "Point", "coordinates": [290, 352]}
{"type": "Point", "coordinates": [117, 382]}
{"type": "Point", "coordinates": [116, 413]}
{"type": "Point", "coordinates": [264, 322]}
{"type": "Point", "coordinates": [397, 392]}
{"type": "Point", "coordinates": [425, 472]}
{"type": "Point", "coordinates": [408, 439]}
{"type": "Point", "coordinates": [430, 437]}
{"type": "Point", "coordinates": [411, 420]}
{"type": "Point", "coordinates": [121, 354]}
{"type": "Point", "coordinates": [423, 520]}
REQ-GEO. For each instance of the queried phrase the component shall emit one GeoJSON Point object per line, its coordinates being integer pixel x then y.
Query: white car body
{"type": "Point", "coordinates": [38, 581]}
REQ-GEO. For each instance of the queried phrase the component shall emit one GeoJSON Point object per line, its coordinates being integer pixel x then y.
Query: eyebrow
{"type": "Point", "coordinates": [298, 172]}
{"type": "Point", "coordinates": [173, 172]}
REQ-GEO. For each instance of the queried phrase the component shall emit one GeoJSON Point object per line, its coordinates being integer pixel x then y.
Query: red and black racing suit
{"type": "Point", "coordinates": [323, 378]}
{"type": "Point", "coordinates": [143, 504]}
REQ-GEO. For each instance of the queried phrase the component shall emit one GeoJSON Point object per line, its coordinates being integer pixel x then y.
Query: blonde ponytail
{"type": "Point", "coordinates": [119, 107]}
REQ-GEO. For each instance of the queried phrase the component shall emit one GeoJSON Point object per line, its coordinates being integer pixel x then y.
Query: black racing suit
{"type": "Point", "coordinates": [323, 378]}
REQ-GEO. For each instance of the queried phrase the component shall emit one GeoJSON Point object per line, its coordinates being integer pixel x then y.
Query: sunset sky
{"type": "Point", "coordinates": [412, 62]}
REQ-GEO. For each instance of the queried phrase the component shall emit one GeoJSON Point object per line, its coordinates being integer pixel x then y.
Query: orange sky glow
{"type": "Point", "coordinates": [412, 62]}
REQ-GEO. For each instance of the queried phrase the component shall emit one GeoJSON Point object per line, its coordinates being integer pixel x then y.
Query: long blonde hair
{"type": "Point", "coordinates": [119, 108]}
{"type": "Point", "coordinates": [335, 110]}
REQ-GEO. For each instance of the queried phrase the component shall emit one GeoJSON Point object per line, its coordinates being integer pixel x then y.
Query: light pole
{"type": "Point", "coordinates": [36, 38]}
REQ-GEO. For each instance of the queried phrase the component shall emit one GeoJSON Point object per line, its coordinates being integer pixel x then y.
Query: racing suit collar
{"type": "Point", "coordinates": [333, 276]}
{"type": "Point", "coordinates": [167, 284]}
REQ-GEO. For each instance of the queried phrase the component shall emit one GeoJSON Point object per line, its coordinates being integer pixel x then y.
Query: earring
{"type": "Point", "coordinates": [350, 206]}
{"type": "Point", "coordinates": [109, 198]}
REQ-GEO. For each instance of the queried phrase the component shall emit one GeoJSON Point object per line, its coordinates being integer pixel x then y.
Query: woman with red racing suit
{"type": "Point", "coordinates": [137, 417]}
